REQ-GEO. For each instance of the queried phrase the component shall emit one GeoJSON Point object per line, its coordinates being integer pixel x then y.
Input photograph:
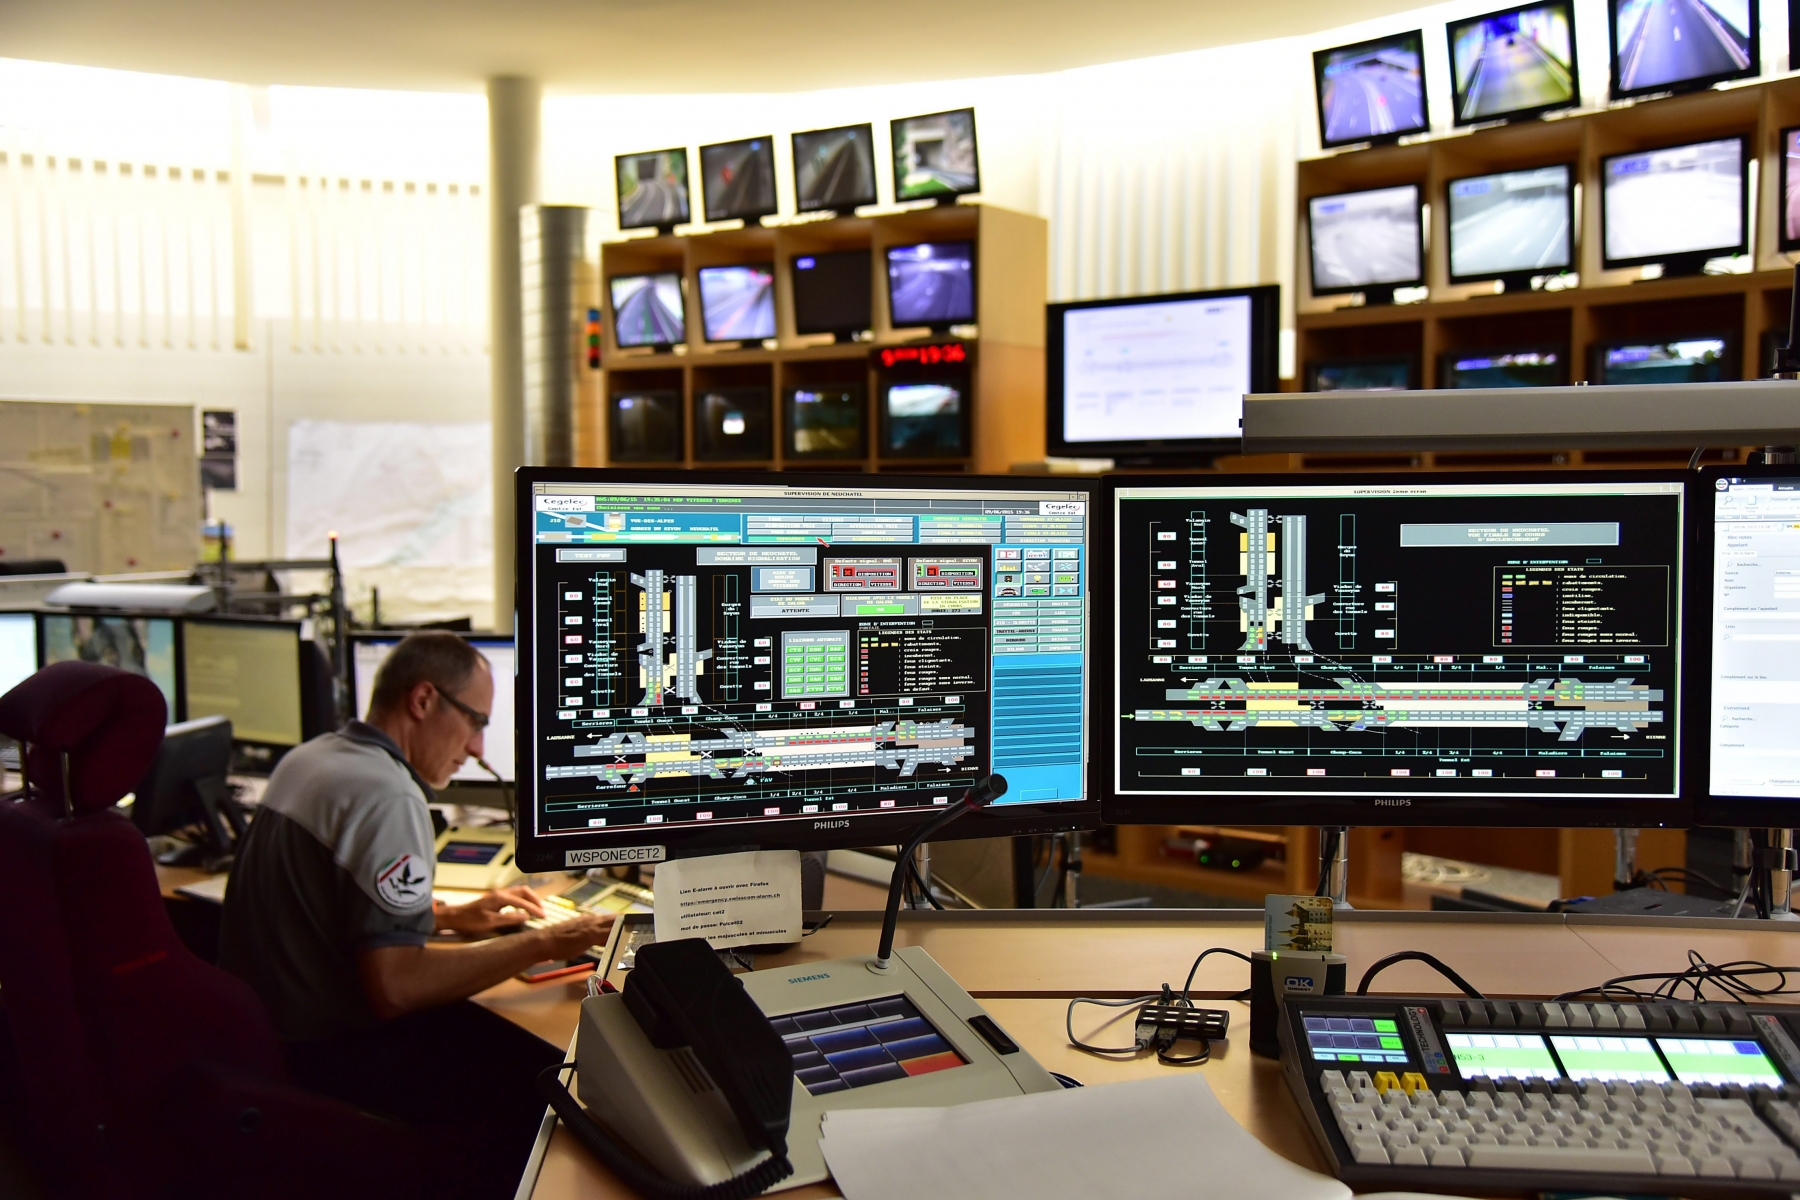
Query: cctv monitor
{"type": "Point", "coordinates": [369, 650]}
{"type": "Point", "coordinates": [645, 426]}
{"type": "Point", "coordinates": [1515, 63]}
{"type": "Point", "coordinates": [142, 645]}
{"type": "Point", "coordinates": [934, 156]}
{"type": "Point", "coordinates": [1150, 378]}
{"type": "Point", "coordinates": [1364, 240]}
{"type": "Point", "coordinates": [18, 649]}
{"type": "Point", "coordinates": [247, 671]}
{"type": "Point", "coordinates": [1679, 205]}
{"type": "Point", "coordinates": [737, 304]}
{"type": "Point", "coordinates": [653, 189]}
{"type": "Point", "coordinates": [1512, 225]}
{"type": "Point", "coordinates": [1530, 366]}
{"type": "Point", "coordinates": [1681, 45]}
{"type": "Point", "coordinates": [1354, 650]}
{"type": "Point", "coordinates": [715, 663]}
{"type": "Point", "coordinates": [648, 310]}
{"type": "Point", "coordinates": [834, 169]}
{"type": "Point", "coordinates": [1370, 373]}
{"type": "Point", "coordinates": [931, 284]}
{"type": "Point", "coordinates": [1788, 224]}
{"type": "Point", "coordinates": [1689, 360]}
{"type": "Point", "coordinates": [1371, 91]}
{"type": "Point", "coordinates": [739, 179]}
{"type": "Point", "coordinates": [733, 424]}
{"type": "Point", "coordinates": [826, 421]}
{"type": "Point", "coordinates": [925, 418]}
{"type": "Point", "coordinates": [832, 293]}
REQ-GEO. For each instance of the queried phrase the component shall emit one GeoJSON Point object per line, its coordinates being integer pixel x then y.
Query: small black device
{"type": "Point", "coordinates": [827, 421]}
{"type": "Point", "coordinates": [925, 416]}
{"type": "Point", "coordinates": [1494, 367]}
{"type": "Point", "coordinates": [832, 293]}
{"type": "Point", "coordinates": [935, 156]}
{"type": "Point", "coordinates": [1676, 205]}
{"type": "Point", "coordinates": [1370, 241]}
{"type": "Point", "coordinates": [834, 169]}
{"type": "Point", "coordinates": [648, 310]}
{"type": "Point", "coordinates": [1519, 62]}
{"type": "Point", "coordinates": [931, 284]}
{"type": "Point", "coordinates": [653, 189]}
{"type": "Point", "coordinates": [186, 785]}
{"type": "Point", "coordinates": [1372, 91]}
{"type": "Point", "coordinates": [1672, 46]}
{"type": "Point", "coordinates": [739, 179]}
{"type": "Point", "coordinates": [1276, 977]}
{"type": "Point", "coordinates": [1370, 373]}
{"type": "Point", "coordinates": [644, 427]}
{"type": "Point", "coordinates": [1696, 359]}
{"type": "Point", "coordinates": [733, 424]}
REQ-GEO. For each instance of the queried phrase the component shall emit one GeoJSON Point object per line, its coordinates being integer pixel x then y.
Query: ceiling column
{"type": "Point", "coordinates": [514, 106]}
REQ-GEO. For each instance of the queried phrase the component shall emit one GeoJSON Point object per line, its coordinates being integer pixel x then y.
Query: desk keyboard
{"type": "Point", "coordinates": [590, 897]}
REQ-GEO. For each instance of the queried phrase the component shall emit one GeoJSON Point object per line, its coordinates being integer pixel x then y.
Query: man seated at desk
{"type": "Point", "coordinates": [329, 915]}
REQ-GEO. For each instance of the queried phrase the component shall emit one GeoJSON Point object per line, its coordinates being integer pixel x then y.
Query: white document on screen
{"type": "Point", "coordinates": [1136, 372]}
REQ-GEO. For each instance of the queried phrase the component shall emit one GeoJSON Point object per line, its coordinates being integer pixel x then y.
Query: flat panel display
{"type": "Point", "coordinates": [1690, 360]}
{"type": "Point", "coordinates": [834, 169]}
{"type": "Point", "coordinates": [739, 178]}
{"type": "Point", "coordinates": [1510, 224]}
{"type": "Point", "coordinates": [1366, 239]}
{"type": "Point", "coordinates": [733, 424]}
{"type": "Point", "coordinates": [1719, 1061]}
{"type": "Point", "coordinates": [934, 156]}
{"type": "Point", "coordinates": [931, 284]}
{"type": "Point", "coordinates": [1788, 224]}
{"type": "Point", "coordinates": [827, 421]}
{"type": "Point", "coordinates": [142, 645]}
{"type": "Point", "coordinates": [1514, 63]}
{"type": "Point", "coordinates": [1678, 45]}
{"type": "Point", "coordinates": [248, 671]}
{"type": "Point", "coordinates": [1371, 374]}
{"type": "Point", "coordinates": [648, 309]}
{"type": "Point", "coordinates": [925, 418]}
{"type": "Point", "coordinates": [738, 302]}
{"type": "Point", "coordinates": [645, 427]}
{"type": "Point", "coordinates": [1372, 90]}
{"type": "Point", "coordinates": [1533, 367]}
{"type": "Point", "coordinates": [653, 188]}
{"type": "Point", "coordinates": [833, 293]}
{"type": "Point", "coordinates": [18, 649]}
{"type": "Point", "coordinates": [1356, 1040]}
{"type": "Point", "coordinates": [1609, 1059]}
{"type": "Point", "coordinates": [1678, 201]}
{"type": "Point", "coordinates": [1502, 1056]}
{"type": "Point", "coordinates": [369, 651]}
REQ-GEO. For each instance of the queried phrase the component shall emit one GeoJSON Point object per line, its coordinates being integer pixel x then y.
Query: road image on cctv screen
{"type": "Point", "coordinates": [1513, 222]}
{"type": "Point", "coordinates": [1365, 239]}
{"type": "Point", "coordinates": [1666, 43]}
{"type": "Point", "coordinates": [1679, 200]}
{"type": "Point", "coordinates": [1156, 372]}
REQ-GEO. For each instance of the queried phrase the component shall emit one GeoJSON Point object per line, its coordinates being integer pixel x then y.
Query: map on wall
{"type": "Point", "coordinates": [399, 494]}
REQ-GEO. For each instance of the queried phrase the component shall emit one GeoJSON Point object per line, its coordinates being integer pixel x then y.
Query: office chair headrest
{"type": "Point", "coordinates": [109, 722]}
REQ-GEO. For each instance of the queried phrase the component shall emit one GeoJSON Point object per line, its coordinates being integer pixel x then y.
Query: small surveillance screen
{"type": "Point", "coordinates": [932, 284]}
{"type": "Point", "coordinates": [141, 645]}
{"type": "Point", "coordinates": [834, 169]}
{"type": "Point", "coordinates": [738, 302]}
{"type": "Point", "coordinates": [1660, 44]}
{"type": "Point", "coordinates": [1790, 189]}
{"type": "Point", "coordinates": [925, 420]}
{"type": "Point", "coordinates": [1514, 62]}
{"type": "Point", "coordinates": [733, 424]}
{"type": "Point", "coordinates": [739, 179]}
{"type": "Point", "coordinates": [1371, 90]}
{"type": "Point", "coordinates": [1503, 369]}
{"type": "Point", "coordinates": [18, 649]}
{"type": "Point", "coordinates": [935, 156]}
{"type": "Point", "coordinates": [1513, 223]}
{"type": "Point", "coordinates": [653, 189]}
{"type": "Point", "coordinates": [1679, 200]}
{"type": "Point", "coordinates": [826, 422]}
{"type": "Point", "coordinates": [645, 427]}
{"type": "Point", "coordinates": [1755, 637]}
{"type": "Point", "coordinates": [1361, 375]}
{"type": "Point", "coordinates": [1365, 239]}
{"type": "Point", "coordinates": [647, 310]}
{"type": "Point", "coordinates": [1698, 360]}
{"type": "Point", "coordinates": [833, 292]}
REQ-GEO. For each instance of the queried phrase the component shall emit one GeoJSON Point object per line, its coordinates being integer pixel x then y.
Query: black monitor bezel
{"type": "Point", "coordinates": [1312, 265]}
{"type": "Point", "coordinates": [1319, 59]}
{"type": "Point", "coordinates": [178, 709]}
{"type": "Point", "coordinates": [277, 748]}
{"type": "Point", "coordinates": [894, 155]}
{"type": "Point", "coordinates": [612, 312]}
{"type": "Point", "coordinates": [612, 411]}
{"type": "Point", "coordinates": [1314, 366]}
{"type": "Point", "coordinates": [887, 275]}
{"type": "Point", "coordinates": [539, 853]}
{"type": "Point", "coordinates": [1569, 179]}
{"type": "Point", "coordinates": [1742, 246]}
{"type": "Point", "coordinates": [1733, 355]}
{"type": "Point", "coordinates": [794, 291]}
{"type": "Point", "coordinates": [788, 428]}
{"type": "Point", "coordinates": [1562, 351]}
{"type": "Point", "coordinates": [1518, 114]}
{"type": "Point", "coordinates": [1788, 181]}
{"type": "Point", "coordinates": [962, 380]}
{"type": "Point", "coordinates": [1244, 809]}
{"type": "Point", "coordinates": [1697, 83]}
{"type": "Point", "coordinates": [687, 205]}
{"type": "Point", "coordinates": [872, 197]}
{"type": "Point", "coordinates": [700, 286]}
{"type": "Point", "coordinates": [1265, 375]}
{"type": "Point", "coordinates": [750, 214]}
{"type": "Point", "coordinates": [696, 403]}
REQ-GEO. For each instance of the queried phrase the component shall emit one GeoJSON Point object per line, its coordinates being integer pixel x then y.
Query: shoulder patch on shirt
{"type": "Point", "coordinates": [400, 883]}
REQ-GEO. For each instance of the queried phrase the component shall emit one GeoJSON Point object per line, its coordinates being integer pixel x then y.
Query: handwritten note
{"type": "Point", "coordinates": [750, 899]}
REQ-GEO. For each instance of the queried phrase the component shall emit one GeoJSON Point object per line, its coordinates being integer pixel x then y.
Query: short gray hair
{"type": "Point", "coordinates": [433, 656]}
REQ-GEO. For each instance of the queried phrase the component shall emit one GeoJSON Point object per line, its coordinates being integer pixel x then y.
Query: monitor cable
{"type": "Point", "coordinates": [1432, 961]}
{"type": "Point", "coordinates": [1739, 981]}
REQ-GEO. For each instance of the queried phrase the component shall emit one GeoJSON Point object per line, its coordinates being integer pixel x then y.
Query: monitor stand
{"type": "Point", "coordinates": [1518, 282]}
{"type": "Point", "coordinates": [1681, 266]}
{"type": "Point", "coordinates": [665, 231]}
{"type": "Point", "coordinates": [1334, 863]}
{"type": "Point", "coordinates": [1375, 296]}
{"type": "Point", "coordinates": [842, 338]}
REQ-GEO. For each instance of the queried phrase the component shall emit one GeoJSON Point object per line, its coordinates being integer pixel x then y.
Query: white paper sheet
{"type": "Point", "coordinates": [749, 899]}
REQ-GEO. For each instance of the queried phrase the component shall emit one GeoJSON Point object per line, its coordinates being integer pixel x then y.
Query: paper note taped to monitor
{"type": "Point", "coordinates": [749, 899]}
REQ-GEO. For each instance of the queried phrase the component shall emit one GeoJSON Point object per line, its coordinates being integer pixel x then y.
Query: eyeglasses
{"type": "Point", "coordinates": [477, 718]}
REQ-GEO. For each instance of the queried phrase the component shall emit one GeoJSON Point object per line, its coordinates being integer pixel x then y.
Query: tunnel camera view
{"type": "Point", "coordinates": [834, 169]}
{"type": "Point", "coordinates": [1682, 200]}
{"type": "Point", "coordinates": [738, 302]}
{"type": "Point", "coordinates": [739, 178]}
{"type": "Point", "coordinates": [1502, 369]}
{"type": "Point", "coordinates": [825, 422]}
{"type": "Point", "coordinates": [1660, 44]}
{"type": "Point", "coordinates": [1370, 90]}
{"type": "Point", "coordinates": [935, 155]}
{"type": "Point", "coordinates": [1516, 222]}
{"type": "Point", "coordinates": [645, 427]}
{"type": "Point", "coordinates": [647, 309]}
{"type": "Point", "coordinates": [924, 420]}
{"type": "Point", "coordinates": [1514, 62]}
{"type": "Point", "coordinates": [1365, 239]}
{"type": "Point", "coordinates": [932, 284]}
{"type": "Point", "coordinates": [1696, 360]}
{"type": "Point", "coordinates": [653, 189]}
{"type": "Point", "coordinates": [1790, 189]}
{"type": "Point", "coordinates": [733, 424]}
{"type": "Point", "coordinates": [1361, 375]}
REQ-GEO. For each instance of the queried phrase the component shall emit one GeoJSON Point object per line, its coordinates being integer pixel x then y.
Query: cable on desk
{"type": "Point", "coordinates": [1661, 877]}
{"type": "Point", "coordinates": [1735, 979]}
{"type": "Point", "coordinates": [1382, 964]}
{"type": "Point", "coordinates": [1159, 1039]}
{"type": "Point", "coordinates": [1328, 852]}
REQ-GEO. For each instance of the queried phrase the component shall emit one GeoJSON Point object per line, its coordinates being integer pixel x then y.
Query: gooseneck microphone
{"type": "Point", "coordinates": [984, 791]}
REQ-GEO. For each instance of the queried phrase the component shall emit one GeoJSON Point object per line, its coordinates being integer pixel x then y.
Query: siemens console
{"type": "Point", "coordinates": [1450, 650]}
{"type": "Point", "coordinates": [708, 664]}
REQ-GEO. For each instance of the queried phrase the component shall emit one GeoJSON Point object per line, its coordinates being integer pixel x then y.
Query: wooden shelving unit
{"type": "Point", "coordinates": [1007, 351]}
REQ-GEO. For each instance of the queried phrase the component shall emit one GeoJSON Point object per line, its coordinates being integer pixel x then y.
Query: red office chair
{"type": "Point", "coordinates": [142, 1071]}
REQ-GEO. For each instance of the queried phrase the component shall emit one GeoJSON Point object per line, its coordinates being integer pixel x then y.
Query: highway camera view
{"type": "Point", "coordinates": [1790, 204]}
{"type": "Point", "coordinates": [935, 155]}
{"type": "Point", "coordinates": [739, 303]}
{"type": "Point", "coordinates": [1364, 239]}
{"type": "Point", "coordinates": [1372, 89]}
{"type": "Point", "coordinates": [1513, 62]}
{"type": "Point", "coordinates": [1510, 223]}
{"type": "Point", "coordinates": [647, 310]}
{"type": "Point", "coordinates": [932, 284]}
{"type": "Point", "coordinates": [834, 169]}
{"type": "Point", "coordinates": [1682, 200]}
{"type": "Point", "coordinates": [1661, 43]}
{"type": "Point", "coordinates": [740, 179]}
{"type": "Point", "coordinates": [653, 189]}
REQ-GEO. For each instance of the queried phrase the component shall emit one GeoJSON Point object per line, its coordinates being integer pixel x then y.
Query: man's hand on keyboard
{"type": "Point", "coordinates": [498, 909]}
{"type": "Point", "coordinates": [577, 935]}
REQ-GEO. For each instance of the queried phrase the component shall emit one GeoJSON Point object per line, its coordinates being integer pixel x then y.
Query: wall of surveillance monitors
{"type": "Point", "coordinates": [934, 158]}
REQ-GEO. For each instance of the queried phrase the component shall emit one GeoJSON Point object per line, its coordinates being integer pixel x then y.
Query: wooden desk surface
{"type": "Point", "coordinates": [1024, 966]}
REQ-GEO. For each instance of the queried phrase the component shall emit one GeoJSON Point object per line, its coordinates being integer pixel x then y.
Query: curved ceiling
{"type": "Point", "coordinates": [639, 46]}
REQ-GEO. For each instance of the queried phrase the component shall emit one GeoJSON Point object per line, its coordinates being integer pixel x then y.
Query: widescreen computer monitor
{"type": "Point", "coordinates": [648, 310]}
{"type": "Point", "coordinates": [738, 302]}
{"type": "Point", "coordinates": [1527, 366]}
{"type": "Point", "coordinates": [1687, 360]}
{"type": "Point", "coordinates": [1452, 650]}
{"type": "Point", "coordinates": [934, 156]}
{"type": "Point", "coordinates": [1366, 239]}
{"type": "Point", "coordinates": [369, 650]}
{"type": "Point", "coordinates": [645, 426]}
{"type": "Point", "coordinates": [739, 178]}
{"type": "Point", "coordinates": [834, 169]}
{"type": "Point", "coordinates": [718, 663]}
{"type": "Point", "coordinates": [1150, 377]}
{"type": "Point", "coordinates": [1373, 90]}
{"type": "Point", "coordinates": [931, 284]}
{"type": "Point", "coordinates": [1512, 225]}
{"type": "Point", "coordinates": [1680, 45]}
{"type": "Point", "coordinates": [142, 645]}
{"type": "Point", "coordinates": [1788, 224]}
{"type": "Point", "coordinates": [18, 649]}
{"type": "Point", "coordinates": [925, 418]}
{"type": "Point", "coordinates": [1684, 203]}
{"type": "Point", "coordinates": [653, 189]}
{"type": "Point", "coordinates": [733, 424]}
{"type": "Point", "coordinates": [247, 671]}
{"type": "Point", "coordinates": [1514, 63]}
{"type": "Point", "coordinates": [826, 421]}
{"type": "Point", "coordinates": [1371, 373]}
{"type": "Point", "coordinates": [833, 293]}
